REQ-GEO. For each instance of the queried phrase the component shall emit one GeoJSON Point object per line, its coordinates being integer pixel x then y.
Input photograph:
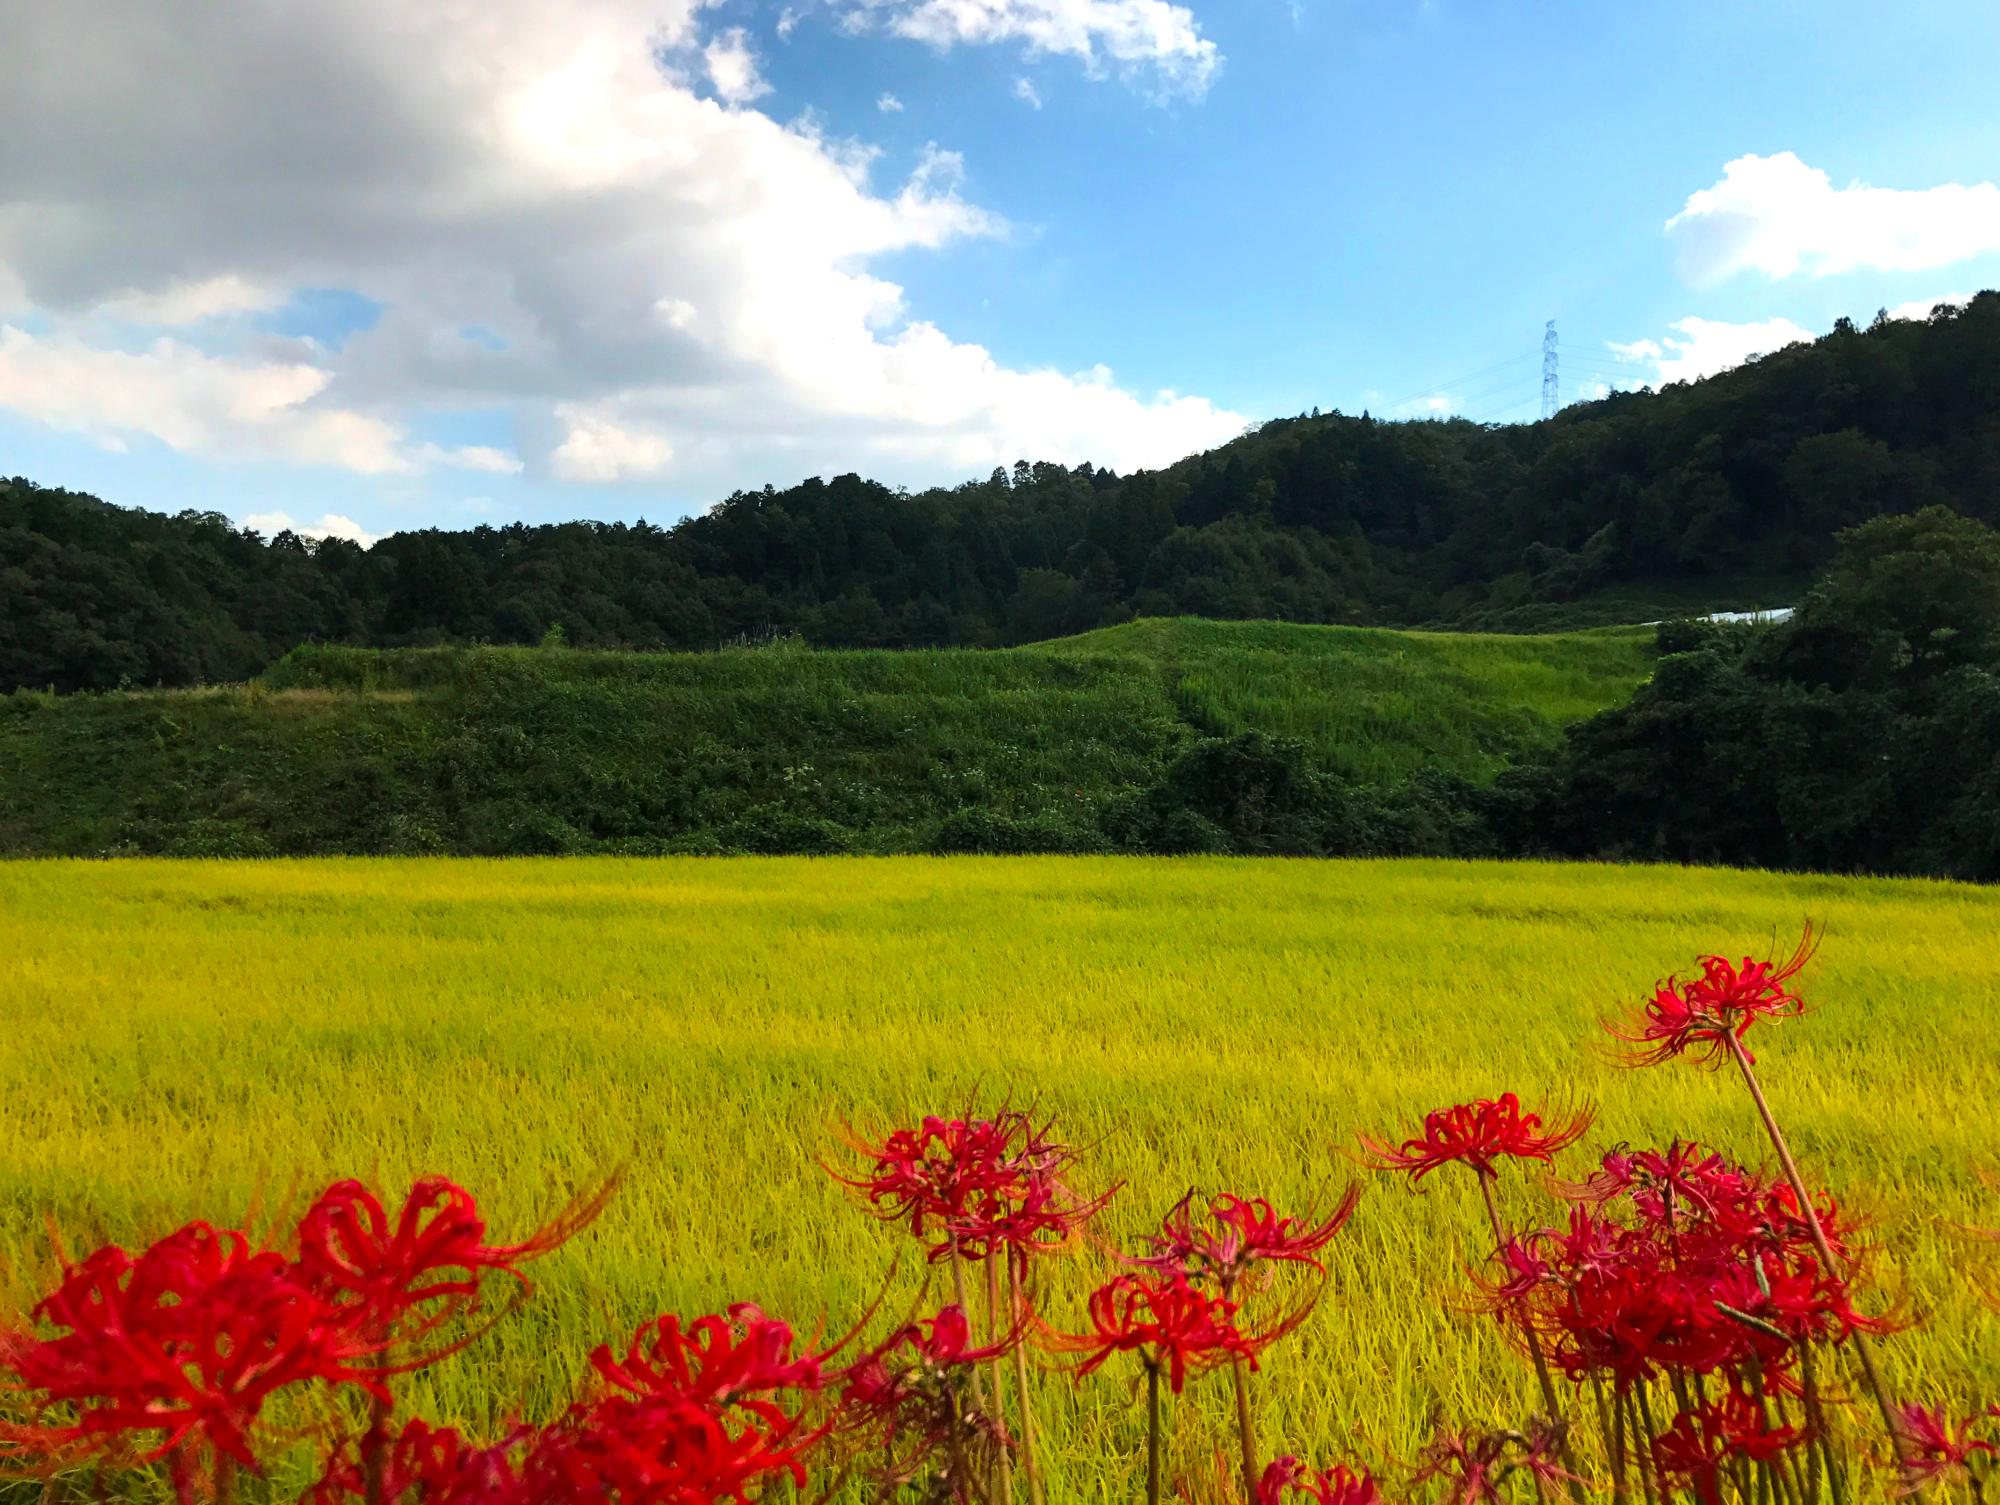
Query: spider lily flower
{"type": "Point", "coordinates": [916, 1387]}
{"type": "Point", "coordinates": [1475, 1464]}
{"type": "Point", "coordinates": [182, 1345]}
{"type": "Point", "coordinates": [714, 1359]}
{"type": "Point", "coordinates": [1699, 1441]}
{"type": "Point", "coordinates": [663, 1450]}
{"type": "Point", "coordinates": [693, 1411]}
{"type": "Point", "coordinates": [974, 1186]}
{"type": "Point", "coordinates": [1936, 1452]}
{"type": "Point", "coordinates": [1237, 1234]}
{"type": "Point", "coordinates": [427, 1465]}
{"type": "Point", "coordinates": [427, 1262]}
{"type": "Point", "coordinates": [1701, 1015]}
{"type": "Point", "coordinates": [1286, 1477]}
{"type": "Point", "coordinates": [1171, 1325]}
{"type": "Point", "coordinates": [1673, 1261]}
{"type": "Point", "coordinates": [1477, 1135]}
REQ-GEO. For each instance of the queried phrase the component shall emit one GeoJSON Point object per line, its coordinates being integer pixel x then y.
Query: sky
{"type": "Point", "coordinates": [354, 266]}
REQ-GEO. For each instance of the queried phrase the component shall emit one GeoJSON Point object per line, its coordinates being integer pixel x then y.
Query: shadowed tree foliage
{"type": "Point", "coordinates": [1861, 735]}
{"type": "Point", "coordinates": [1725, 492]}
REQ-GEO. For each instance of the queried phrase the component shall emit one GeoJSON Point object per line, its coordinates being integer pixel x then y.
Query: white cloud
{"type": "Point", "coordinates": [596, 448]}
{"type": "Point", "coordinates": [888, 104]}
{"type": "Point", "coordinates": [668, 287]}
{"type": "Point", "coordinates": [1920, 308]}
{"type": "Point", "coordinates": [330, 525]}
{"type": "Point", "coordinates": [1433, 405]}
{"type": "Point", "coordinates": [208, 406]}
{"type": "Point", "coordinates": [732, 68]}
{"type": "Point", "coordinates": [1152, 43]}
{"type": "Point", "coordinates": [468, 457]}
{"type": "Point", "coordinates": [1027, 93]}
{"type": "Point", "coordinates": [1703, 347]}
{"type": "Point", "coordinates": [182, 303]}
{"type": "Point", "coordinates": [1778, 216]}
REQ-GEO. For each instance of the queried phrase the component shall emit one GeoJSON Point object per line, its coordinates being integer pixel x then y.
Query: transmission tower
{"type": "Point", "coordinates": [1549, 400]}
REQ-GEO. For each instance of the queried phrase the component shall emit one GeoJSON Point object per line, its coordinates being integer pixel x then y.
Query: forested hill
{"type": "Point", "coordinates": [1719, 493]}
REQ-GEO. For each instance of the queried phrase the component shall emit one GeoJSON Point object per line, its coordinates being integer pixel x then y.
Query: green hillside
{"type": "Point", "coordinates": [486, 750]}
{"type": "Point", "coordinates": [1375, 704]}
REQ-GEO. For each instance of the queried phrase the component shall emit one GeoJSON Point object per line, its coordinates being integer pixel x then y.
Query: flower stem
{"type": "Point", "coordinates": [1528, 1331]}
{"type": "Point", "coordinates": [1828, 1261]}
{"type": "Point", "coordinates": [1819, 1447]}
{"type": "Point", "coordinates": [958, 1292]}
{"type": "Point", "coordinates": [1152, 1433]}
{"type": "Point", "coordinates": [1244, 1430]}
{"type": "Point", "coordinates": [1628, 1406]}
{"type": "Point", "coordinates": [1003, 1466]}
{"type": "Point", "coordinates": [1021, 1384]}
{"type": "Point", "coordinates": [1614, 1462]}
{"type": "Point", "coordinates": [374, 1447]}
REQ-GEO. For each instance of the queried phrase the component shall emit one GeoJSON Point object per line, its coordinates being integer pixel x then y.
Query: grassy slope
{"type": "Point", "coordinates": [1377, 704]}
{"type": "Point", "coordinates": [498, 750]}
{"type": "Point", "coordinates": [175, 1036]}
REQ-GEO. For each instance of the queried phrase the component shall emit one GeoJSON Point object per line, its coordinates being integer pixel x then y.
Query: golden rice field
{"type": "Point", "coordinates": [178, 1039]}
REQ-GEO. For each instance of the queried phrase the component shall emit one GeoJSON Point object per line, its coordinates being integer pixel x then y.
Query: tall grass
{"type": "Point", "coordinates": [177, 1038]}
{"type": "Point", "coordinates": [1375, 704]}
{"type": "Point", "coordinates": [496, 750]}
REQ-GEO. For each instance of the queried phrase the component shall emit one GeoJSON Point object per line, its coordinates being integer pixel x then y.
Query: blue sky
{"type": "Point", "coordinates": [375, 266]}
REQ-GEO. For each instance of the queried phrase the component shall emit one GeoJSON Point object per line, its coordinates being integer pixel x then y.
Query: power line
{"type": "Point", "coordinates": [1450, 382]}
{"type": "Point", "coordinates": [1492, 413]}
{"type": "Point", "coordinates": [1550, 387]}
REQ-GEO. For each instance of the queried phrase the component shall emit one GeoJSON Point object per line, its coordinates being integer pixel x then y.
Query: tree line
{"type": "Point", "coordinates": [1723, 491]}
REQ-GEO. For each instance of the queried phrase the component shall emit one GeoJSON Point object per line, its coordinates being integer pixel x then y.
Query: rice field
{"type": "Point", "coordinates": [192, 1039]}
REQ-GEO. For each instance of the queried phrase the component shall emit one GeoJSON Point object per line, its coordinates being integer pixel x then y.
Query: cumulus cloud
{"type": "Point", "coordinates": [209, 406]}
{"type": "Point", "coordinates": [182, 303]}
{"type": "Point", "coordinates": [1921, 308]}
{"type": "Point", "coordinates": [595, 448]}
{"type": "Point", "coordinates": [330, 525]}
{"type": "Point", "coordinates": [1704, 347]}
{"type": "Point", "coordinates": [1778, 216]}
{"type": "Point", "coordinates": [1152, 43]}
{"type": "Point", "coordinates": [1027, 93]}
{"type": "Point", "coordinates": [666, 287]}
{"type": "Point", "coordinates": [1432, 405]}
{"type": "Point", "coordinates": [888, 104]}
{"type": "Point", "coordinates": [732, 68]}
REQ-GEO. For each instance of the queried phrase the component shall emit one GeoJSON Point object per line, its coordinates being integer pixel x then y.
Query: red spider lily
{"type": "Point", "coordinates": [1934, 1451]}
{"type": "Point", "coordinates": [916, 1387]}
{"type": "Point", "coordinates": [662, 1450]}
{"type": "Point", "coordinates": [717, 1360]}
{"type": "Point", "coordinates": [427, 1465]}
{"type": "Point", "coordinates": [975, 1185]}
{"type": "Point", "coordinates": [1330, 1486]}
{"type": "Point", "coordinates": [1476, 1135]}
{"type": "Point", "coordinates": [1476, 1464]}
{"type": "Point", "coordinates": [1237, 1234]}
{"type": "Point", "coordinates": [694, 1414]}
{"type": "Point", "coordinates": [1698, 1442]}
{"type": "Point", "coordinates": [1703, 1014]}
{"type": "Point", "coordinates": [941, 1342]}
{"type": "Point", "coordinates": [1712, 1270]}
{"type": "Point", "coordinates": [189, 1341]}
{"type": "Point", "coordinates": [428, 1260]}
{"type": "Point", "coordinates": [1172, 1326]}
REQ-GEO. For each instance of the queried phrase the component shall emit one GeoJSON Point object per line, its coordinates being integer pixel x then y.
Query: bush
{"type": "Point", "coordinates": [976, 830]}
{"type": "Point", "coordinates": [207, 837]}
{"type": "Point", "coordinates": [773, 831]}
